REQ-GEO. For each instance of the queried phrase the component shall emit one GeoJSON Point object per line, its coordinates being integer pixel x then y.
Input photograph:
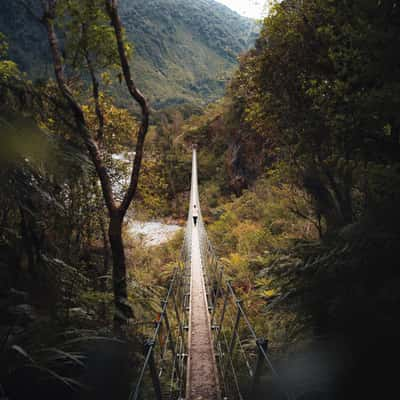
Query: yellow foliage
{"type": "Point", "coordinates": [249, 237]}
{"type": "Point", "coordinates": [269, 293]}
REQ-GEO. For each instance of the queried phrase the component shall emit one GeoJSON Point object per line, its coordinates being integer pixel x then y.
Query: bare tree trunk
{"type": "Point", "coordinates": [112, 9]}
{"type": "Point", "coordinates": [119, 274]}
{"type": "Point", "coordinates": [96, 97]}
{"type": "Point", "coordinates": [123, 311]}
{"type": "Point", "coordinates": [106, 266]}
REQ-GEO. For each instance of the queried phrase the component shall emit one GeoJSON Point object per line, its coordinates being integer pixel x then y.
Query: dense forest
{"type": "Point", "coordinates": [178, 63]}
{"type": "Point", "coordinates": [299, 168]}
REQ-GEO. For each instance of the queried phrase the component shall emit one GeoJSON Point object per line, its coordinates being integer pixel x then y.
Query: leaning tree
{"type": "Point", "coordinates": [97, 39]}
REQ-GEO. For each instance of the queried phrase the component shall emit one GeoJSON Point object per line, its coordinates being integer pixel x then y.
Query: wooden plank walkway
{"type": "Point", "coordinates": [202, 383]}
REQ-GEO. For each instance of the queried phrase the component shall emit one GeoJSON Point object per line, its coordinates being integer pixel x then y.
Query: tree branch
{"type": "Point", "coordinates": [96, 97]}
{"type": "Point", "coordinates": [49, 7]}
{"type": "Point", "coordinates": [111, 7]}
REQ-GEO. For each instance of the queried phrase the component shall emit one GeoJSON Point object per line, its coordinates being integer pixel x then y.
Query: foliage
{"type": "Point", "coordinates": [7, 68]}
{"type": "Point", "coordinates": [54, 252]}
{"type": "Point", "coordinates": [316, 93]}
{"type": "Point", "coordinates": [88, 34]}
{"type": "Point", "coordinates": [307, 138]}
{"type": "Point", "coordinates": [298, 164]}
{"type": "Point", "coordinates": [174, 162]}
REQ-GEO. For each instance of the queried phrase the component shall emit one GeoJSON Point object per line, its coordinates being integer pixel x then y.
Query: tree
{"type": "Point", "coordinates": [91, 54]}
{"type": "Point", "coordinates": [322, 88]}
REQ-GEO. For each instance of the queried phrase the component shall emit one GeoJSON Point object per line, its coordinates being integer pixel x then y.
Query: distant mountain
{"type": "Point", "coordinates": [185, 50]}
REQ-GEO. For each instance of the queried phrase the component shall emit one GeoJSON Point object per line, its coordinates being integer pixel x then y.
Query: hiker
{"type": "Point", "coordinates": [195, 214]}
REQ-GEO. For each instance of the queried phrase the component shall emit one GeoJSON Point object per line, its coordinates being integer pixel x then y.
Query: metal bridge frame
{"type": "Point", "coordinates": [244, 364]}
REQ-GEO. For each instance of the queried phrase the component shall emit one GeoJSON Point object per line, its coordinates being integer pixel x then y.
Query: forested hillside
{"type": "Point", "coordinates": [184, 52]}
{"type": "Point", "coordinates": [299, 175]}
{"type": "Point", "coordinates": [307, 138]}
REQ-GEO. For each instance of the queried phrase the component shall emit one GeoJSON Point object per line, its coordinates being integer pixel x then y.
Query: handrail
{"type": "Point", "coordinates": [244, 368]}
{"type": "Point", "coordinates": [223, 300]}
{"type": "Point", "coordinates": [175, 338]}
{"type": "Point", "coordinates": [222, 296]}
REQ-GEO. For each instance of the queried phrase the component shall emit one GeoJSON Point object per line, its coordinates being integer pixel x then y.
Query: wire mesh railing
{"type": "Point", "coordinates": [163, 374]}
{"type": "Point", "coordinates": [244, 365]}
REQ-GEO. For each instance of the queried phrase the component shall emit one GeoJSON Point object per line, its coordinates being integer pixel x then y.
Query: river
{"type": "Point", "coordinates": [153, 233]}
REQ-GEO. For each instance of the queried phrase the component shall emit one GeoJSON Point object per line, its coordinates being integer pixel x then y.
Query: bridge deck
{"type": "Point", "coordinates": [202, 370]}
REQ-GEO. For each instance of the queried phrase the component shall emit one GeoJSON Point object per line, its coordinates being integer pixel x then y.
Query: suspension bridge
{"type": "Point", "coordinates": [204, 346]}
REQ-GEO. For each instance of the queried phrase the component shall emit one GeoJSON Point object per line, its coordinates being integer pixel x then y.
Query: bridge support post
{"type": "Point", "coordinates": [262, 348]}
{"type": "Point", "coordinates": [153, 370]}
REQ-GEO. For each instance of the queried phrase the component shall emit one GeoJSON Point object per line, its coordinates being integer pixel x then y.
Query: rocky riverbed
{"type": "Point", "coordinates": [153, 233]}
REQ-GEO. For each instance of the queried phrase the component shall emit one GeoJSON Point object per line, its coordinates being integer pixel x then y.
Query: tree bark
{"type": "Point", "coordinates": [96, 94]}
{"type": "Point", "coordinates": [48, 20]}
{"type": "Point", "coordinates": [106, 266]}
{"type": "Point", "coordinates": [123, 311]}
{"type": "Point", "coordinates": [112, 9]}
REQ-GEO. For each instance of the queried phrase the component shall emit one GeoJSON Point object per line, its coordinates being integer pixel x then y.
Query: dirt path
{"type": "Point", "coordinates": [202, 384]}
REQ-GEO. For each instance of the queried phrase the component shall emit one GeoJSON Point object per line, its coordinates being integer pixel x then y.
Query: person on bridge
{"type": "Point", "coordinates": [195, 214]}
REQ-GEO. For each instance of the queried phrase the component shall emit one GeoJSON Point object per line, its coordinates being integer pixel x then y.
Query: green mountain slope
{"type": "Point", "coordinates": [184, 50]}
